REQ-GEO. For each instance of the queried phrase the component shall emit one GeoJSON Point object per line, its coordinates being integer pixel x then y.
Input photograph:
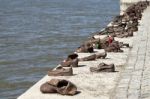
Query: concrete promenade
{"type": "Point", "coordinates": [130, 81]}
{"type": "Point", "coordinates": [91, 85]}
{"type": "Point", "coordinates": [134, 82]}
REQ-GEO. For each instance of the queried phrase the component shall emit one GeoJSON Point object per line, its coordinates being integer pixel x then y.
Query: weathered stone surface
{"type": "Point", "coordinates": [136, 74]}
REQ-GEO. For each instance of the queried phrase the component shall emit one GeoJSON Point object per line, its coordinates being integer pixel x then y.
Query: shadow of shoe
{"type": "Point", "coordinates": [81, 65]}
{"type": "Point", "coordinates": [78, 92]}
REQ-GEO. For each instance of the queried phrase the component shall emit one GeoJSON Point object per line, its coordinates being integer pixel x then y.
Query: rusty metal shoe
{"type": "Point", "coordinates": [120, 50]}
{"type": "Point", "coordinates": [66, 63]}
{"type": "Point", "coordinates": [63, 87]}
{"type": "Point", "coordinates": [72, 56]}
{"type": "Point", "coordinates": [126, 44]}
{"type": "Point", "coordinates": [61, 72]}
{"type": "Point", "coordinates": [102, 67]}
{"type": "Point", "coordinates": [90, 49]}
{"type": "Point", "coordinates": [113, 47]}
{"type": "Point", "coordinates": [85, 48]}
{"type": "Point", "coordinates": [47, 88]}
{"type": "Point", "coordinates": [70, 63]}
{"type": "Point", "coordinates": [75, 62]}
{"type": "Point", "coordinates": [81, 49]}
{"type": "Point", "coordinates": [110, 49]}
{"type": "Point", "coordinates": [121, 44]}
{"type": "Point", "coordinates": [101, 55]}
{"type": "Point", "coordinates": [88, 58]}
{"type": "Point", "coordinates": [107, 68]}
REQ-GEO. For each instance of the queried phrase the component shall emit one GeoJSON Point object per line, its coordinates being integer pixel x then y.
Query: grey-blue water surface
{"type": "Point", "coordinates": [36, 35]}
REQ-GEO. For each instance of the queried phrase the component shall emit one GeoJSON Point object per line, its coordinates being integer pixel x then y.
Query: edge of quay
{"type": "Point", "coordinates": [91, 85]}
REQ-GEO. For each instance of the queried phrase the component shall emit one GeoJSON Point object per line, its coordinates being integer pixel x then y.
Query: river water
{"type": "Point", "coordinates": [36, 35]}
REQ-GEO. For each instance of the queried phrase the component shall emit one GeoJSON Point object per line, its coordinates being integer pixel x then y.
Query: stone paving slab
{"type": "Point", "coordinates": [134, 81]}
